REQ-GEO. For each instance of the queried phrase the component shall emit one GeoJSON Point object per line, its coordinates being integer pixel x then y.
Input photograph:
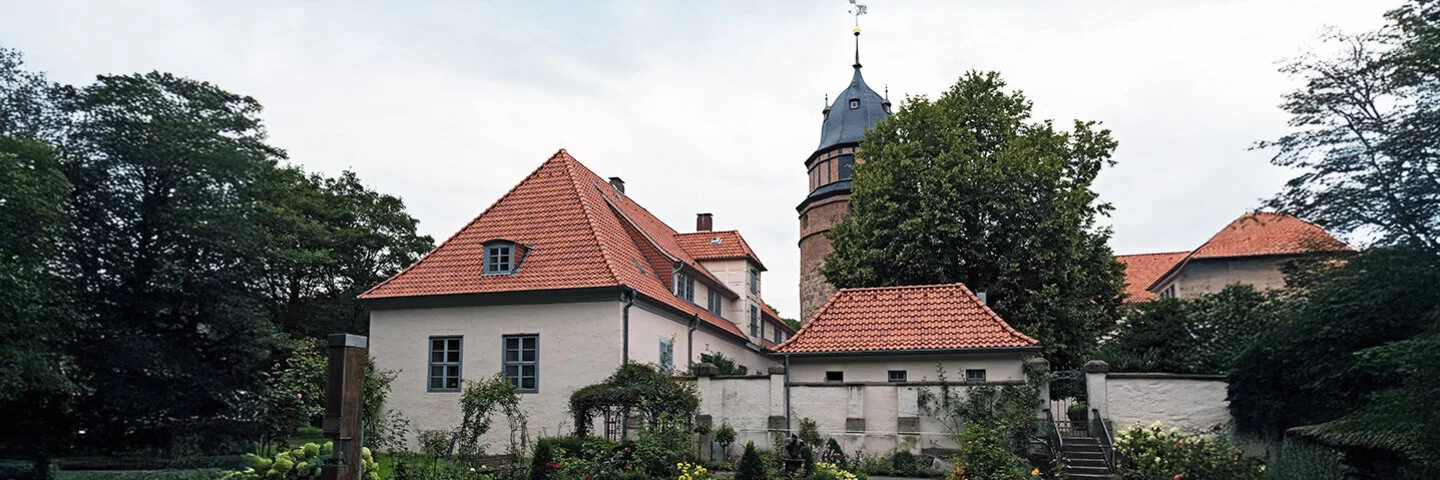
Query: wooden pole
{"type": "Point", "coordinates": [344, 396]}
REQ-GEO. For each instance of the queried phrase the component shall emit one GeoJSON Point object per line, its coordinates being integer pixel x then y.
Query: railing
{"type": "Point", "coordinates": [1056, 441]}
{"type": "Point", "coordinates": [1102, 435]}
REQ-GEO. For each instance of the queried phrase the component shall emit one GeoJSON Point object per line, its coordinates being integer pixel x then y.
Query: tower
{"type": "Point", "coordinates": [857, 108]}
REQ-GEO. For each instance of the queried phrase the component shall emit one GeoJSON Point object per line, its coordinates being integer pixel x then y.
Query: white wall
{"type": "Point", "coordinates": [1189, 402]}
{"type": "Point", "coordinates": [579, 345]}
{"type": "Point", "coordinates": [647, 327]}
{"type": "Point", "coordinates": [1004, 367]}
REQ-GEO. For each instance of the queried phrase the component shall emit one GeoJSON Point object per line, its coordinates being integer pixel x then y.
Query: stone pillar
{"type": "Point", "coordinates": [777, 399]}
{"type": "Point", "coordinates": [344, 396]}
{"type": "Point", "coordinates": [1095, 371]}
{"type": "Point", "coordinates": [1037, 368]}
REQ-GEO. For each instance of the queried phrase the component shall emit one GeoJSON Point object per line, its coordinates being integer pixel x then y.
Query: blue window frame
{"type": "Point", "coordinates": [754, 281]}
{"type": "Point", "coordinates": [975, 375]}
{"type": "Point", "coordinates": [522, 361]}
{"type": "Point", "coordinates": [754, 321]}
{"type": "Point", "coordinates": [667, 354]}
{"type": "Point", "coordinates": [716, 303]}
{"type": "Point", "coordinates": [684, 286]}
{"type": "Point", "coordinates": [499, 258]}
{"type": "Point", "coordinates": [444, 364]}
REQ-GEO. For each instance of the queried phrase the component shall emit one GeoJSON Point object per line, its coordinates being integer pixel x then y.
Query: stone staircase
{"type": "Point", "coordinates": [1084, 459]}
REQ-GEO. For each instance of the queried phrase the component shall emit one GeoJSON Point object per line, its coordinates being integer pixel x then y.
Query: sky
{"type": "Point", "coordinates": [713, 106]}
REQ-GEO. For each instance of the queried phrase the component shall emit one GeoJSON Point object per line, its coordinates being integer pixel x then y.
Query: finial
{"type": "Point", "coordinates": [887, 90]}
{"type": "Point", "coordinates": [857, 11]}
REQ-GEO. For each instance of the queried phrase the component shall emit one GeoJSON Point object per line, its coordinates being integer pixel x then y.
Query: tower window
{"type": "Point", "coordinates": [847, 166]}
{"type": "Point", "coordinates": [854, 103]}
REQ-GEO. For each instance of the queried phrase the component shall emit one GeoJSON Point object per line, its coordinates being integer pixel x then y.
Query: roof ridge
{"type": "Point", "coordinates": [600, 239]}
{"type": "Point", "coordinates": [899, 287]}
{"type": "Point", "coordinates": [1154, 253]}
{"type": "Point", "coordinates": [733, 230]}
{"type": "Point", "coordinates": [467, 226]}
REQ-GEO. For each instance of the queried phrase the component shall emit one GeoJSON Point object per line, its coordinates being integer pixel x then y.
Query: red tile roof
{"type": "Point", "coordinates": [1143, 269]}
{"type": "Point", "coordinates": [717, 245]}
{"type": "Point", "coordinates": [926, 317]}
{"type": "Point", "coordinates": [577, 232]}
{"type": "Point", "coordinates": [1268, 233]}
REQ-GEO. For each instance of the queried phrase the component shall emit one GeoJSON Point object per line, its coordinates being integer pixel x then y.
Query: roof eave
{"type": "Point", "coordinates": [929, 351]}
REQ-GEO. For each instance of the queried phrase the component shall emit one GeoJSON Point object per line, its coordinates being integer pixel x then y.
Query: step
{"type": "Point", "coordinates": [1072, 470]}
{"type": "Point", "coordinates": [1086, 462]}
{"type": "Point", "coordinates": [1081, 441]}
{"type": "Point", "coordinates": [1086, 476]}
{"type": "Point", "coordinates": [1083, 449]}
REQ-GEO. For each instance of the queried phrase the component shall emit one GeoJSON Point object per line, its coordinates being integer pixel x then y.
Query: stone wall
{"type": "Point", "coordinates": [1189, 402]}
{"type": "Point", "coordinates": [814, 222]}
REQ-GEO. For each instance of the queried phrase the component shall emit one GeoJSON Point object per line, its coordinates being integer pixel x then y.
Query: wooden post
{"type": "Point", "coordinates": [344, 396]}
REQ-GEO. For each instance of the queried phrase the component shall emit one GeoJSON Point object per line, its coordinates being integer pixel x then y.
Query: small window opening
{"type": "Point", "coordinates": [898, 376]}
{"type": "Point", "coordinates": [975, 375]}
{"type": "Point", "coordinates": [854, 103]}
{"type": "Point", "coordinates": [834, 377]}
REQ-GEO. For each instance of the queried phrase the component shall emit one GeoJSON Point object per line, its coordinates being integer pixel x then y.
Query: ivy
{"type": "Point", "coordinates": [638, 388]}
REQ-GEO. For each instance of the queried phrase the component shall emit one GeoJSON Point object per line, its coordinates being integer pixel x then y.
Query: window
{"type": "Point", "coordinates": [1168, 292]}
{"type": "Point", "coordinates": [754, 281]}
{"type": "Point", "coordinates": [854, 103]}
{"type": "Point", "coordinates": [444, 364]}
{"type": "Point", "coordinates": [716, 303]}
{"type": "Point", "coordinates": [667, 354]}
{"type": "Point", "coordinates": [499, 258]}
{"type": "Point", "coordinates": [684, 286]}
{"type": "Point", "coordinates": [754, 321]}
{"type": "Point", "coordinates": [834, 377]}
{"type": "Point", "coordinates": [975, 375]}
{"type": "Point", "coordinates": [522, 361]}
{"type": "Point", "coordinates": [847, 166]}
{"type": "Point", "coordinates": [898, 376]}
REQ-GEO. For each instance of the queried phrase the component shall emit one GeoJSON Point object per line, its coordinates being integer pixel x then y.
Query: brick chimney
{"type": "Point", "coordinates": [618, 184]}
{"type": "Point", "coordinates": [703, 222]}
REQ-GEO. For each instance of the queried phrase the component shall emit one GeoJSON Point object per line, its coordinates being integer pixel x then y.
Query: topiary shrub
{"type": "Point", "coordinates": [905, 464]}
{"type": "Point", "coordinates": [751, 466]}
{"type": "Point", "coordinates": [725, 436]}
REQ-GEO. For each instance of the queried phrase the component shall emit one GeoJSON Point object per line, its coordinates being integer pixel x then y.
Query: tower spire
{"type": "Point", "coordinates": [858, 10]}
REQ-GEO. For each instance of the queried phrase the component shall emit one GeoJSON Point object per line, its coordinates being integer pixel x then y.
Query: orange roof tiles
{"type": "Point", "coordinates": [717, 245]}
{"type": "Point", "coordinates": [576, 232]}
{"type": "Point", "coordinates": [1143, 269]}
{"type": "Point", "coordinates": [1268, 233]}
{"type": "Point", "coordinates": [926, 317]}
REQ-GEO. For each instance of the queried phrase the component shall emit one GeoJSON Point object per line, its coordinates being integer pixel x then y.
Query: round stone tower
{"type": "Point", "coordinates": [857, 108]}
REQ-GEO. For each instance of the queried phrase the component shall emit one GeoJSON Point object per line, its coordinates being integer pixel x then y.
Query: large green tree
{"type": "Point", "coordinates": [969, 188]}
{"type": "Point", "coordinates": [1366, 132]}
{"type": "Point", "coordinates": [1200, 335]}
{"type": "Point", "coordinates": [163, 170]}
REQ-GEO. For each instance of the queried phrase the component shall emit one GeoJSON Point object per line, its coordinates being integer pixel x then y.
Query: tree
{"type": "Point", "coordinates": [39, 379]}
{"type": "Point", "coordinates": [1200, 335]}
{"type": "Point", "coordinates": [163, 169]}
{"type": "Point", "coordinates": [1307, 370]}
{"type": "Point", "coordinates": [27, 100]}
{"type": "Point", "coordinates": [329, 239]}
{"type": "Point", "coordinates": [1365, 129]}
{"type": "Point", "coordinates": [966, 188]}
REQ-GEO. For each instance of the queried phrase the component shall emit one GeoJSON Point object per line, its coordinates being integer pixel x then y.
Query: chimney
{"type": "Point", "coordinates": [703, 222]}
{"type": "Point", "coordinates": [618, 184]}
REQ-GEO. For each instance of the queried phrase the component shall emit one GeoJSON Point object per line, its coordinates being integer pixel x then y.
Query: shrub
{"type": "Point", "coordinates": [829, 471]}
{"type": "Point", "coordinates": [1153, 453]}
{"type": "Point", "coordinates": [1299, 460]}
{"type": "Point", "coordinates": [435, 443]}
{"type": "Point", "coordinates": [478, 402]}
{"type": "Point", "coordinates": [833, 452]}
{"type": "Point", "coordinates": [985, 455]}
{"type": "Point", "coordinates": [661, 447]}
{"type": "Point", "coordinates": [1077, 412]}
{"type": "Point", "coordinates": [904, 463]}
{"type": "Point", "coordinates": [725, 436]}
{"type": "Point", "coordinates": [690, 471]}
{"type": "Point", "coordinates": [299, 464]}
{"type": "Point", "coordinates": [751, 467]}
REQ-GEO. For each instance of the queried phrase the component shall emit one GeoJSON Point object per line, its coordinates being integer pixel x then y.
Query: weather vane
{"type": "Point", "coordinates": [857, 10]}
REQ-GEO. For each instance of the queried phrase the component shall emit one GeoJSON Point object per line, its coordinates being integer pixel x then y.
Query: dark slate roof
{"type": "Point", "coordinates": [846, 126]}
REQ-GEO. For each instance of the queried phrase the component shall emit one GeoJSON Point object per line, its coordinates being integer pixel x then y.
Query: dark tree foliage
{"type": "Point", "coordinates": [162, 169]}
{"type": "Point", "coordinates": [1200, 335]}
{"type": "Point", "coordinates": [968, 188]}
{"type": "Point", "coordinates": [27, 100]}
{"type": "Point", "coordinates": [751, 466]}
{"type": "Point", "coordinates": [1308, 369]}
{"type": "Point", "coordinates": [1366, 132]}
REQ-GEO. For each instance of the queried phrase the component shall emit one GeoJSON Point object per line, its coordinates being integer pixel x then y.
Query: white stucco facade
{"type": "Point", "coordinates": [1189, 402]}
{"type": "Point", "coordinates": [1006, 367]}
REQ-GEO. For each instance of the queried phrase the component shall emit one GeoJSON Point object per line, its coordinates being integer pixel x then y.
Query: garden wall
{"type": "Point", "coordinates": [1191, 402]}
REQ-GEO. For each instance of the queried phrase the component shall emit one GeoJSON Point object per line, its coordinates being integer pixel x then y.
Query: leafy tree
{"type": "Point", "coordinates": [967, 188]}
{"type": "Point", "coordinates": [1306, 370]}
{"type": "Point", "coordinates": [1200, 335]}
{"type": "Point", "coordinates": [724, 364]}
{"type": "Point", "coordinates": [166, 253]}
{"type": "Point", "coordinates": [793, 323]}
{"type": "Point", "coordinates": [27, 100]}
{"type": "Point", "coordinates": [39, 379]}
{"type": "Point", "coordinates": [1364, 132]}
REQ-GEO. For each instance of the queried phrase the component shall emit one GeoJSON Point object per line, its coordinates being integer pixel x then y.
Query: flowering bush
{"type": "Point", "coordinates": [1154, 453]}
{"type": "Point", "coordinates": [690, 471]}
{"type": "Point", "coordinates": [299, 464]}
{"type": "Point", "coordinates": [829, 471]}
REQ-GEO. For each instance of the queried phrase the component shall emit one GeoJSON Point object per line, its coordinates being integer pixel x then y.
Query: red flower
{"type": "Point", "coordinates": [553, 465]}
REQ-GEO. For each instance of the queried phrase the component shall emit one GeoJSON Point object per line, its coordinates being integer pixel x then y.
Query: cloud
{"type": "Point", "coordinates": [711, 107]}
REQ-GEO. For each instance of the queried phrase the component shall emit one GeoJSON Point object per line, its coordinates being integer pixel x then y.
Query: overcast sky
{"type": "Point", "coordinates": [714, 106]}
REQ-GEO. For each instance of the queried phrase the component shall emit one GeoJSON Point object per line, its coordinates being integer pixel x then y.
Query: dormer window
{"type": "Point", "coordinates": [684, 287]}
{"type": "Point", "coordinates": [854, 103]}
{"type": "Point", "coordinates": [499, 258]}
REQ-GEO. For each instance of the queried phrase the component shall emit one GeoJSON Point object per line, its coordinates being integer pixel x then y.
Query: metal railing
{"type": "Point", "coordinates": [1102, 435]}
{"type": "Point", "coordinates": [1053, 437]}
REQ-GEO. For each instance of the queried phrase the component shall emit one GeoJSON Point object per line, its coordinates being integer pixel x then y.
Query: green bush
{"type": "Point", "coordinates": [1078, 412]}
{"type": "Point", "coordinates": [1299, 460]}
{"type": "Point", "coordinates": [751, 466]}
{"type": "Point", "coordinates": [904, 463]}
{"type": "Point", "coordinates": [1153, 453]}
{"type": "Point", "coordinates": [725, 436]}
{"type": "Point", "coordinates": [985, 455]}
{"type": "Point", "coordinates": [833, 453]}
{"type": "Point", "coordinates": [299, 464]}
{"type": "Point", "coordinates": [661, 448]}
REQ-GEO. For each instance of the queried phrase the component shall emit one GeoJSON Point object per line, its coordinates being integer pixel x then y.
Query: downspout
{"type": "Point", "coordinates": [627, 296]}
{"type": "Point", "coordinates": [690, 342]}
{"type": "Point", "coordinates": [787, 393]}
